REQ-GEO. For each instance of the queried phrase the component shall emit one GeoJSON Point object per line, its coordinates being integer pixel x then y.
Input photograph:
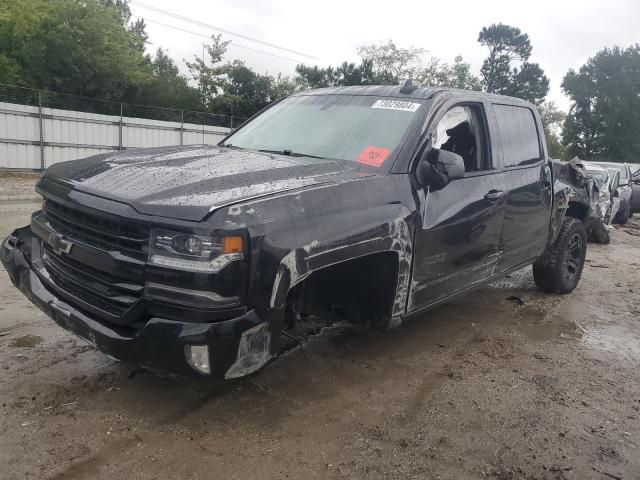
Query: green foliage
{"type": "Point", "coordinates": [233, 88]}
{"type": "Point", "coordinates": [342, 75]}
{"type": "Point", "coordinates": [72, 46]}
{"type": "Point", "coordinates": [386, 64]}
{"type": "Point", "coordinates": [604, 118]}
{"type": "Point", "coordinates": [93, 48]}
{"type": "Point", "coordinates": [209, 74]}
{"type": "Point", "coordinates": [508, 46]}
{"type": "Point", "coordinates": [9, 70]}
{"type": "Point", "coordinates": [552, 121]}
{"type": "Point", "coordinates": [168, 87]}
{"type": "Point", "coordinates": [390, 64]}
{"type": "Point", "coordinates": [456, 75]}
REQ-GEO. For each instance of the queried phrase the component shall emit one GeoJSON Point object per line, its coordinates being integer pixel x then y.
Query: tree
{"type": "Point", "coordinates": [92, 48]}
{"type": "Point", "coordinates": [281, 86]}
{"type": "Point", "coordinates": [209, 77]}
{"type": "Point", "coordinates": [343, 75]}
{"type": "Point", "coordinates": [456, 75]}
{"type": "Point", "coordinates": [168, 87]}
{"type": "Point", "coordinates": [232, 88]}
{"type": "Point", "coordinates": [552, 121]}
{"type": "Point", "coordinates": [381, 64]}
{"type": "Point", "coordinates": [83, 48]}
{"type": "Point", "coordinates": [604, 117]}
{"type": "Point", "coordinates": [508, 46]}
{"type": "Point", "coordinates": [390, 64]}
{"type": "Point", "coordinates": [245, 92]}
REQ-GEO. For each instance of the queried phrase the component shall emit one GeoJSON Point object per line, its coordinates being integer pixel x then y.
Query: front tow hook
{"type": "Point", "coordinates": [8, 246]}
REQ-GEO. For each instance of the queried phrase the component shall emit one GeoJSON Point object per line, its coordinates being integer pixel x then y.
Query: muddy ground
{"type": "Point", "coordinates": [485, 387]}
{"type": "Point", "coordinates": [17, 184]}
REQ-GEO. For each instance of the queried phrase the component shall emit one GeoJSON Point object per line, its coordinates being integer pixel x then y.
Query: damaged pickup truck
{"type": "Point", "coordinates": [368, 204]}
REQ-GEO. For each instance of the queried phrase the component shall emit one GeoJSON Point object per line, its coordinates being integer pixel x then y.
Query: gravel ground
{"type": "Point", "coordinates": [18, 185]}
{"type": "Point", "coordinates": [484, 387]}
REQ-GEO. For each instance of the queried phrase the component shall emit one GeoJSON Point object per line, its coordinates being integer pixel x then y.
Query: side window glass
{"type": "Point", "coordinates": [461, 131]}
{"type": "Point", "coordinates": [519, 135]}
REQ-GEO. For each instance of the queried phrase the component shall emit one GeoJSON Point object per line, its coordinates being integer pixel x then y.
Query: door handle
{"type": "Point", "coordinates": [494, 195]}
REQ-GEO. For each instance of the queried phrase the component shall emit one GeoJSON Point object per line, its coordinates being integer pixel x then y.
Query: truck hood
{"type": "Point", "coordinates": [188, 183]}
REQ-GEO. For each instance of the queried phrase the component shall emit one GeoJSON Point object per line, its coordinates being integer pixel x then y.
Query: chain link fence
{"type": "Point", "coordinates": [62, 101]}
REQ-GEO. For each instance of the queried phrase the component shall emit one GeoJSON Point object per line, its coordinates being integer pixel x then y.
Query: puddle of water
{"type": "Point", "coordinates": [26, 341]}
{"type": "Point", "coordinates": [615, 339]}
{"type": "Point", "coordinates": [549, 329]}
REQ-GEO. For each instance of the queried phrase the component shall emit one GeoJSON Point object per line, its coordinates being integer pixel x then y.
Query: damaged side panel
{"type": "Point", "coordinates": [576, 194]}
{"type": "Point", "coordinates": [296, 234]}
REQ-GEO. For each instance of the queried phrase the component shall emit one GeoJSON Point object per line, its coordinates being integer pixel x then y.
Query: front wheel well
{"type": "Point", "coordinates": [577, 210]}
{"type": "Point", "coordinates": [361, 290]}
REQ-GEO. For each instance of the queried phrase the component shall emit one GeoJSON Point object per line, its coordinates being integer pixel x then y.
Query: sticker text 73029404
{"type": "Point", "coordinates": [396, 105]}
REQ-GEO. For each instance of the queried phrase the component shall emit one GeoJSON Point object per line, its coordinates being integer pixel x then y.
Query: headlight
{"type": "Point", "coordinates": [199, 253]}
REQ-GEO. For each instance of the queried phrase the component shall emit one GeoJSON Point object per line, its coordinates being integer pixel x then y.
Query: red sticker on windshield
{"type": "Point", "coordinates": [373, 156]}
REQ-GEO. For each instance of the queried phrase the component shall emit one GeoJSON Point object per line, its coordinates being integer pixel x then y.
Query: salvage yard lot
{"type": "Point", "coordinates": [505, 383]}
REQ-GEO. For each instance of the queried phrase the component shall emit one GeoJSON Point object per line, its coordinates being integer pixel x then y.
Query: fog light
{"type": "Point", "coordinates": [198, 357]}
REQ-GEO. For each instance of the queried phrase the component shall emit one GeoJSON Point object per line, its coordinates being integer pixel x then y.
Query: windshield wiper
{"type": "Point", "coordinates": [290, 153]}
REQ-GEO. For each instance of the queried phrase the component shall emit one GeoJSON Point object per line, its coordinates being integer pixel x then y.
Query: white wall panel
{"type": "Point", "coordinates": [17, 126]}
{"type": "Point", "coordinates": [80, 128]}
{"type": "Point", "coordinates": [19, 156]}
{"type": "Point", "coordinates": [69, 135]}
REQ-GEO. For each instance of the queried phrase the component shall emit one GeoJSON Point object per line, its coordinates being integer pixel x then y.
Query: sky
{"type": "Point", "coordinates": [563, 33]}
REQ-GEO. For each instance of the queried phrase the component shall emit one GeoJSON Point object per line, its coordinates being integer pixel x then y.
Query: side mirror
{"type": "Point", "coordinates": [616, 193]}
{"type": "Point", "coordinates": [439, 167]}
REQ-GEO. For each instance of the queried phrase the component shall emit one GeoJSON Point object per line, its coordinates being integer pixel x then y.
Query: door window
{"type": "Point", "coordinates": [461, 131]}
{"type": "Point", "coordinates": [519, 135]}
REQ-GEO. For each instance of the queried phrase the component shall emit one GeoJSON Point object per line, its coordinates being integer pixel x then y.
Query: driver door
{"type": "Point", "coordinates": [458, 242]}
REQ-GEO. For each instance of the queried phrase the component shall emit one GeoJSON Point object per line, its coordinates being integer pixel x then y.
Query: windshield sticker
{"type": "Point", "coordinates": [373, 156]}
{"type": "Point", "coordinates": [396, 105]}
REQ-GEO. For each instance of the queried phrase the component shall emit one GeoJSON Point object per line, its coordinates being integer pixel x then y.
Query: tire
{"type": "Point", "coordinates": [622, 216]}
{"type": "Point", "coordinates": [599, 234]}
{"type": "Point", "coordinates": [559, 268]}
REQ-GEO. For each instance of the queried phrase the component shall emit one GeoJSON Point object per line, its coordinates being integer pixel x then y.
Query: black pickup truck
{"type": "Point", "coordinates": [369, 204]}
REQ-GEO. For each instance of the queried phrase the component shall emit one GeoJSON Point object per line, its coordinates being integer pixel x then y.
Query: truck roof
{"type": "Point", "coordinates": [419, 92]}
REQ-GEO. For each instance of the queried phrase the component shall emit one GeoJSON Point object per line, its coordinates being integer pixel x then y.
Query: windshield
{"type": "Point", "coordinates": [601, 177]}
{"type": "Point", "coordinates": [623, 173]}
{"type": "Point", "coordinates": [616, 168]}
{"type": "Point", "coordinates": [362, 129]}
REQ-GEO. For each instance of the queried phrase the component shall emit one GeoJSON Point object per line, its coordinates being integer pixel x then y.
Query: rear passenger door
{"type": "Point", "coordinates": [528, 182]}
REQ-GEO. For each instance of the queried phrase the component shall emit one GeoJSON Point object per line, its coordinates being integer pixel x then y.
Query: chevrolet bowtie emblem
{"type": "Point", "coordinates": [59, 244]}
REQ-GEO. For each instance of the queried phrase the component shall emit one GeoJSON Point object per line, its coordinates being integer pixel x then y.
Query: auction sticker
{"type": "Point", "coordinates": [396, 105]}
{"type": "Point", "coordinates": [373, 156]}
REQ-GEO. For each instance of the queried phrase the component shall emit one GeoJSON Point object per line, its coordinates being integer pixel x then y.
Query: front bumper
{"type": "Point", "coordinates": [237, 346]}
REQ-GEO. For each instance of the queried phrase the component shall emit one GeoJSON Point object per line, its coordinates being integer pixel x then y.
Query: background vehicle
{"type": "Point", "coordinates": [635, 196]}
{"type": "Point", "coordinates": [624, 189]}
{"type": "Point", "coordinates": [602, 179]}
{"type": "Point", "coordinates": [608, 196]}
{"type": "Point", "coordinates": [364, 203]}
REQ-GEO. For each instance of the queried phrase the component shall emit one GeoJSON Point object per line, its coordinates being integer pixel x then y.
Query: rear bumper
{"type": "Point", "coordinates": [237, 346]}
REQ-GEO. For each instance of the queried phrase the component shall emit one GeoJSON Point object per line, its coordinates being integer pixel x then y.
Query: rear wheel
{"type": "Point", "coordinates": [559, 268]}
